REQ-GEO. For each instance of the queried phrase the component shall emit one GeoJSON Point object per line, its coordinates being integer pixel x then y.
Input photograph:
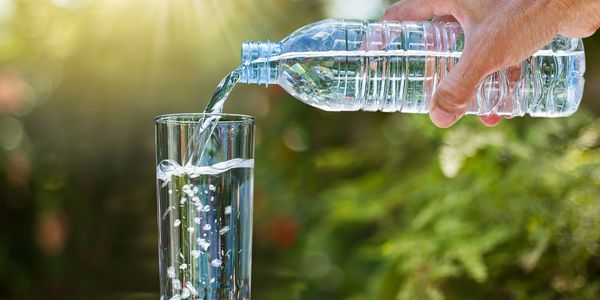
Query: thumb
{"type": "Point", "coordinates": [453, 95]}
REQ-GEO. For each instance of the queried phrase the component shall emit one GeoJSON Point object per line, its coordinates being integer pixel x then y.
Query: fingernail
{"type": "Point", "coordinates": [442, 118]}
{"type": "Point", "coordinates": [491, 120]}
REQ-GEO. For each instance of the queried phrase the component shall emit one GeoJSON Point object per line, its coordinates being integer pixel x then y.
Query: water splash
{"type": "Point", "coordinates": [200, 136]}
{"type": "Point", "coordinates": [168, 168]}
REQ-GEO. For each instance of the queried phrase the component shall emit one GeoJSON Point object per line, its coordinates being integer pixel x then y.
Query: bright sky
{"type": "Point", "coordinates": [6, 9]}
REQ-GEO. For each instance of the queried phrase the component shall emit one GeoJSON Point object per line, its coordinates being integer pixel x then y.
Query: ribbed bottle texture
{"type": "Point", "coordinates": [343, 65]}
{"type": "Point", "coordinates": [259, 68]}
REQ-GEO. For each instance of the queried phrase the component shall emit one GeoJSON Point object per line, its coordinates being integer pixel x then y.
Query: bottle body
{"type": "Point", "coordinates": [343, 65]}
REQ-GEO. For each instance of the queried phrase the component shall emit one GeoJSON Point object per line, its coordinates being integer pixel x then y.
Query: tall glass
{"type": "Point", "coordinates": [205, 211]}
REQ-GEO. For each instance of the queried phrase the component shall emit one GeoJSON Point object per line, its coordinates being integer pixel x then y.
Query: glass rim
{"type": "Point", "coordinates": [194, 118]}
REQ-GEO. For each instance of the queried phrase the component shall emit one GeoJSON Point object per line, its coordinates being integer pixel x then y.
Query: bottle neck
{"type": "Point", "coordinates": [259, 69]}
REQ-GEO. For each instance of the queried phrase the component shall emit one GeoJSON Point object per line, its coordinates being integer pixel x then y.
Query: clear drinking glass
{"type": "Point", "coordinates": [205, 212]}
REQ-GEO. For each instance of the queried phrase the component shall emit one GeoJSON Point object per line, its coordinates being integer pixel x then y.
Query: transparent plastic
{"type": "Point", "coordinates": [347, 65]}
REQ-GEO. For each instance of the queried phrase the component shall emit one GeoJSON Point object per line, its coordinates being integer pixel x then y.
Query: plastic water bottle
{"type": "Point", "coordinates": [347, 65]}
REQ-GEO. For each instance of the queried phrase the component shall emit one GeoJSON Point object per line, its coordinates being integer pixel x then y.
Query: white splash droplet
{"type": "Point", "coordinates": [186, 189]}
{"type": "Point", "coordinates": [206, 227]}
{"type": "Point", "coordinates": [183, 266]}
{"type": "Point", "coordinates": [212, 187]}
{"type": "Point", "coordinates": [176, 284]}
{"type": "Point", "coordinates": [215, 263]}
{"type": "Point", "coordinates": [206, 208]}
{"type": "Point", "coordinates": [171, 272]}
{"type": "Point", "coordinates": [177, 223]}
{"type": "Point", "coordinates": [191, 287]}
{"type": "Point", "coordinates": [191, 229]}
{"type": "Point", "coordinates": [197, 220]}
{"type": "Point", "coordinates": [203, 243]}
{"type": "Point", "coordinates": [195, 253]}
{"type": "Point", "coordinates": [228, 209]}
{"type": "Point", "coordinates": [185, 293]}
{"type": "Point", "coordinates": [224, 230]}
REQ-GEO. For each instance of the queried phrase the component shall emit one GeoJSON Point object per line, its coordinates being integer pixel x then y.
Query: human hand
{"type": "Point", "coordinates": [498, 34]}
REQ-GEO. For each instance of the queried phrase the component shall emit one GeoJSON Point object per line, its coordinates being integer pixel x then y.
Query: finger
{"type": "Point", "coordinates": [453, 95]}
{"type": "Point", "coordinates": [491, 120]}
{"type": "Point", "coordinates": [410, 10]}
{"type": "Point", "coordinates": [578, 32]}
{"type": "Point", "coordinates": [444, 19]}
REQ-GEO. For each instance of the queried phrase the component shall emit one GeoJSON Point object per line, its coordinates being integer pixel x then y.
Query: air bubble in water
{"type": "Point", "coordinates": [176, 284]}
{"type": "Point", "coordinates": [203, 243]}
{"type": "Point", "coordinates": [192, 289]}
{"type": "Point", "coordinates": [224, 230]}
{"type": "Point", "coordinates": [215, 263]}
{"type": "Point", "coordinates": [171, 272]}
{"type": "Point", "coordinates": [185, 293]}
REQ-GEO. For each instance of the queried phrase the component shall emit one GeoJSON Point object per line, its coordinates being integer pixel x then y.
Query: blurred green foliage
{"type": "Point", "coordinates": [347, 205]}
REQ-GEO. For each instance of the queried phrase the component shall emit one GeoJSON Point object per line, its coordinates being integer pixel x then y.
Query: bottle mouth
{"type": "Point", "coordinates": [255, 60]}
{"type": "Point", "coordinates": [252, 51]}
